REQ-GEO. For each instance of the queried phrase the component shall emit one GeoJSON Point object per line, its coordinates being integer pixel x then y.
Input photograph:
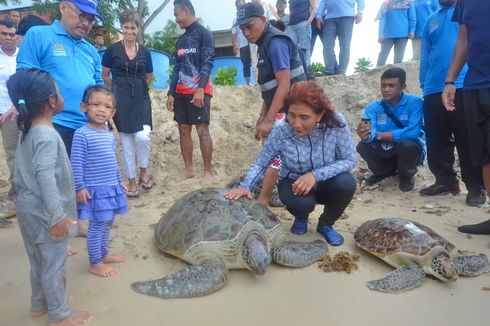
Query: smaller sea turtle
{"type": "Point", "coordinates": [414, 250]}
{"type": "Point", "coordinates": [214, 234]}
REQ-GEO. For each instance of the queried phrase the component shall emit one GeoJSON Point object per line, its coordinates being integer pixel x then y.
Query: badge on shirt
{"type": "Point", "coordinates": [59, 50]}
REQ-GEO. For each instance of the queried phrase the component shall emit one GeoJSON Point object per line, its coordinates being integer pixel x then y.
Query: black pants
{"type": "Point", "coordinates": [246, 58]}
{"type": "Point", "coordinates": [477, 114]}
{"type": "Point", "coordinates": [66, 135]}
{"type": "Point", "coordinates": [403, 158]}
{"type": "Point", "coordinates": [445, 130]}
{"type": "Point", "coordinates": [335, 194]}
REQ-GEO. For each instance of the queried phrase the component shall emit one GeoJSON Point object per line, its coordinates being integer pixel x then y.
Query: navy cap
{"type": "Point", "coordinates": [247, 12]}
{"type": "Point", "coordinates": [87, 6]}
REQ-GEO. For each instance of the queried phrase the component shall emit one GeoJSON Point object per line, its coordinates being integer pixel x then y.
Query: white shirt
{"type": "Point", "coordinates": [8, 64]}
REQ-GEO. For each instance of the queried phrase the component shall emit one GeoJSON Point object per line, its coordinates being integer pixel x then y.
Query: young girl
{"type": "Point", "coordinates": [45, 197]}
{"type": "Point", "coordinates": [98, 180]}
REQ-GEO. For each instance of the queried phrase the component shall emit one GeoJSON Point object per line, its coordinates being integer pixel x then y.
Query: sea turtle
{"type": "Point", "coordinates": [214, 234]}
{"type": "Point", "coordinates": [414, 250]}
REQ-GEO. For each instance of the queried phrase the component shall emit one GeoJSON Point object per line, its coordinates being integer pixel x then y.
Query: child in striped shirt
{"type": "Point", "coordinates": [98, 181]}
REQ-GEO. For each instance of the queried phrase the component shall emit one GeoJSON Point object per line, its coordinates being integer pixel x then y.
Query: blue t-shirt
{"type": "Point", "coordinates": [73, 64]}
{"type": "Point", "coordinates": [280, 54]}
{"type": "Point", "coordinates": [299, 11]}
{"type": "Point", "coordinates": [423, 9]}
{"type": "Point", "coordinates": [475, 15]}
{"type": "Point", "coordinates": [398, 22]}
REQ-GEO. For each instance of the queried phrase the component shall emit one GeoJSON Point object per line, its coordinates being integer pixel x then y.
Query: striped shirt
{"type": "Point", "coordinates": [93, 158]}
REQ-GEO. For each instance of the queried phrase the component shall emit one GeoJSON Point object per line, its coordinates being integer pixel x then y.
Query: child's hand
{"type": "Point", "coordinates": [83, 196]}
{"type": "Point", "coordinates": [124, 187]}
{"type": "Point", "coordinates": [62, 228]}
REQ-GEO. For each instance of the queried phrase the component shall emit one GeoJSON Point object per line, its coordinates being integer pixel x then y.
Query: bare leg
{"type": "Point", "coordinates": [186, 148]}
{"type": "Point", "coordinates": [76, 318]}
{"type": "Point", "coordinates": [206, 144]}
{"type": "Point", "coordinates": [82, 228]}
{"type": "Point", "coordinates": [103, 270]}
{"type": "Point", "coordinates": [268, 183]}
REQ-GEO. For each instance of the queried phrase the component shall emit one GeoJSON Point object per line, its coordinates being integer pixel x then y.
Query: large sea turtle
{"type": "Point", "coordinates": [414, 250]}
{"type": "Point", "coordinates": [214, 234]}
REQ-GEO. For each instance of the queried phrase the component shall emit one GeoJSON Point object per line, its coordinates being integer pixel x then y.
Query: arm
{"type": "Point", "coordinates": [312, 11]}
{"type": "Point", "coordinates": [149, 66]}
{"type": "Point", "coordinates": [106, 66]}
{"type": "Point", "coordinates": [345, 156]}
{"type": "Point", "coordinates": [382, 24]}
{"type": "Point", "coordinates": [78, 160]}
{"type": "Point", "coordinates": [360, 9]}
{"type": "Point", "coordinates": [424, 55]}
{"type": "Point", "coordinates": [321, 9]}
{"type": "Point", "coordinates": [106, 72]}
{"type": "Point", "coordinates": [149, 77]}
{"type": "Point", "coordinates": [30, 52]}
{"type": "Point", "coordinates": [207, 59]}
{"type": "Point", "coordinates": [371, 113]}
{"type": "Point", "coordinates": [412, 20]}
{"type": "Point", "coordinates": [236, 49]}
{"type": "Point", "coordinates": [98, 69]}
{"type": "Point", "coordinates": [412, 130]}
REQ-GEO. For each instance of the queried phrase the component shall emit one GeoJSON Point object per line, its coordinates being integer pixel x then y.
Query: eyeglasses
{"type": "Point", "coordinates": [5, 34]}
{"type": "Point", "coordinates": [101, 106]}
{"type": "Point", "coordinates": [84, 18]}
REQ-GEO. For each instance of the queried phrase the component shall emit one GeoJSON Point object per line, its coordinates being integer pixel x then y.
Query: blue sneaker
{"type": "Point", "coordinates": [333, 237]}
{"type": "Point", "coordinates": [300, 225]}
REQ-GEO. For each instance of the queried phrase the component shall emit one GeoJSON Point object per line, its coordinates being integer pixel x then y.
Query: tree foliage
{"type": "Point", "coordinates": [317, 68]}
{"type": "Point", "coordinates": [164, 40]}
{"type": "Point", "coordinates": [225, 76]}
{"type": "Point", "coordinates": [362, 64]}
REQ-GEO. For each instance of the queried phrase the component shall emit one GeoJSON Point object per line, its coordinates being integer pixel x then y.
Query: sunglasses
{"type": "Point", "coordinates": [5, 34]}
{"type": "Point", "coordinates": [84, 18]}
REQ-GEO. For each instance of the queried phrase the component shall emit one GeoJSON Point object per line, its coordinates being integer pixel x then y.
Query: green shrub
{"type": "Point", "coordinates": [317, 68]}
{"type": "Point", "coordinates": [362, 65]}
{"type": "Point", "coordinates": [225, 76]}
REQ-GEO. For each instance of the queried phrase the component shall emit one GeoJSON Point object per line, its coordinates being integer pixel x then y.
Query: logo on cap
{"type": "Point", "coordinates": [241, 13]}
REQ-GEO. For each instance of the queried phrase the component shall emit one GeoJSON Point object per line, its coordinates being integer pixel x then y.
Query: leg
{"type": "Point", "coordinates": [400, 45]}
{"type": "Point", "coordinates": [328, 37]}
{"type": "Point", "coordinates": [345, 27]}
{"type": "Point", "coordinates": [104, 248]}
{"type": "Point", "coordinates": [416, 45]}
{"type": "Point", "coordinates": [186, 148]}
{"type": "Point", "coordinates": [129, 160]}
{"type": "Point", "coordinates": [66, 135]}
{"type": "Point", "coordinates": [94, 245]}
{"type": "Point", "coordinates": [315, 32]}
{"type": "Point", "coordinates": [269, 181]}
{"type": "Point", "coordinates": [10, 137]}
{"type": "Point", "coordinates": [408, 154]}
{"type": "Point", "coordinates": [386, 46]}
{"type": "Point", "coordinates": [380, 166]}
{"type": "Point", "coordinates": [143, 147]}
{"type": "Point", "coordinates": [206, 144]}
{"type": "Point", "coordinates": [303, 32]}
{"type": "Point", "coordinates": [300, 206]}
{"type": "Point", "coordinates": [246, 62]}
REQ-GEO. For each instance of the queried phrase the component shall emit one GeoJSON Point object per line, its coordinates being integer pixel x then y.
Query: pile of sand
{"type": "Point", "coordinates": [283, 296]}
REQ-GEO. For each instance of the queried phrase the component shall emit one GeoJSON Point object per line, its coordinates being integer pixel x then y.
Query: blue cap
{"type": "Point", "coordinates": [247, 12]}
{"type": "Point", "coordinates": [87, 6]}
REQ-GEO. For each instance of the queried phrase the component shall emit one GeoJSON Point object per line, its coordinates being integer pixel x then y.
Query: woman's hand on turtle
{"type": "Point", "coordinates": [304, 184]}
{"type": "Point", "coordinates": [237, 193]}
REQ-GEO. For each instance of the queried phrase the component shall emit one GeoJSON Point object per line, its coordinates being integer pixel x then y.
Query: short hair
{"type": "Point", "coordinates": [7, 23]}
{"type": "Point", "coordinates": [30, 21]}
{"type": "Point", "coordinates": [395, 72]}
{"type": "Point", "coordinates": [187, 4]}
{"type": "Point", "coordinates": [279, 24]}
{"type": "Point", "coordinates": [97, 88]}
{"type": "Point", "coordinates": [130, 16]}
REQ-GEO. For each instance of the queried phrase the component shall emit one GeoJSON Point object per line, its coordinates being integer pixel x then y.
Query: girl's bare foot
{"type": "Point", "coordinates": [38, 313]}
{"type": "Point", "coordinates": [113, 259]}
{"type": "Point", "coordinates": [208, 179]}
{"type": "Point", "coordinates": [103, 270]}
{"type": "Point", "coordinates": [188, 174]}
{"type": "Point", "coordinates": [70, 251]}
{"type": "Point", "coordinates": [76, 318]}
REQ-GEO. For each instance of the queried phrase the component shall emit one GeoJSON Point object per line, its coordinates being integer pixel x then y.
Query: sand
{"type": "Point", "coordinates": [283, 296]}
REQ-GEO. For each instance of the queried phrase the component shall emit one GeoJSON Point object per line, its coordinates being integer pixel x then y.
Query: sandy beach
{"type": "Point", "coordinates": [283, 296]}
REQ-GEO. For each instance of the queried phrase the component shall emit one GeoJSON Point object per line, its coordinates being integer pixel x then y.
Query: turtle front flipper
{"type": "Point", "coordinates": [404, 278]}
{"type": "Point", "coordinates": [298, 254]}
{"type": "Point", "coordinates": [192, 281]}
{"type": "Point", "coordinates": [472, 265]}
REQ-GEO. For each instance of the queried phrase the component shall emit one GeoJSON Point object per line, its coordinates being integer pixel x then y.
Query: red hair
{"type": "Point", "coordinates": [311, 94]}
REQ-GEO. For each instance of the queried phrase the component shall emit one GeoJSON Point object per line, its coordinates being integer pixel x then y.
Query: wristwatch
{"type": "Point", "coordinates": [450, 82]}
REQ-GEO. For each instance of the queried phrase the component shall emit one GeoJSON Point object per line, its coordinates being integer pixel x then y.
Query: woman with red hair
{"type": "Point", "coordinates": [317, 155]}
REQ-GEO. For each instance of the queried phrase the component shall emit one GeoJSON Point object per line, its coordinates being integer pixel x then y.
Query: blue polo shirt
{"type": "Point", "coordinates": [73, 64]}
{"type": "Point", "coordinates": [438, 42]}
{"type": "Point", "coordinates": [398, 22]}
{"type": "Point", "coordinates": [409, 111]}
{"type": "Point", "coordinates": [475, 15]}
{"type": "Point", "coordinates": [423, 9]}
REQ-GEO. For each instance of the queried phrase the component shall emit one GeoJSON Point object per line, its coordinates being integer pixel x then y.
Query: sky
{"type": "Point", "coordinates": [219, 14]}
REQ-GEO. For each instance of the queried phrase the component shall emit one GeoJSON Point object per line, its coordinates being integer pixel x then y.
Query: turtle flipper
{"type": "Point", "coordinates": [404, 278]}
{"type": "Point", "coordinates": [192, 281]}
{"type": "Point", "coordinates": [472, 265]}
{"type": "Point", "coordinates": [298, 254]}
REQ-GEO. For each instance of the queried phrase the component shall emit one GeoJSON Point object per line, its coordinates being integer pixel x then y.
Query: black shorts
{"type": "Point", "coordinates": [477, 113]}
{"type": "Point", "coordinates": [185, 113]}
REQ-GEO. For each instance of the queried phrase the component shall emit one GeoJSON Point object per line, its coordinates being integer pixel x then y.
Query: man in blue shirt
{"type": "Point", "coordinates": [393, 144]}
{"type": "Point", "coordinates": [423, 9]}
{"type": "Point", "coordinates": [444, 129]}
{"type": "Point", "coordinates": [337, 22]}
{"type": "Point", "coordinates": [73, 62]}
{"type": "Point", "coordinates": [472, 47]}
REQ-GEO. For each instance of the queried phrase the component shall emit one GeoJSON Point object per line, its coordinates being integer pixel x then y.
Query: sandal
{"type": "Point", "coordinates": [148, 184]}
{"type": "Point", "coordinates": [133, 193]}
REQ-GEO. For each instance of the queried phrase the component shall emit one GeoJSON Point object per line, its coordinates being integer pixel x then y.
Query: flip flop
{"type": "Point", "coordinates": [133, 193]}
{"type": "Point", "coordinates": [148, 184]}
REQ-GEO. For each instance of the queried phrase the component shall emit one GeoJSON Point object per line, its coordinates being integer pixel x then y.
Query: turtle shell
{"type": "Point", "coordinates": [390, 236]}
{"type": "Point", "coordinates": [206, 216]}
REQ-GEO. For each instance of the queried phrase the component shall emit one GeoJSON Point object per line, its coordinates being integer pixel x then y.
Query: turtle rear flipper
{"type": "Point", "coordinates": [472, 265]}
{"type": "Point", "coordinates": [298, 254]}
{"type": "Point", "coordinates": [192, 281]}
{"type": "Point", "coordinates": [404, 278]}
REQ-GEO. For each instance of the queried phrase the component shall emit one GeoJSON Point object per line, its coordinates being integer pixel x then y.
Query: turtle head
{"type": "Point", "coordinates": [444, 268]}
{"type": "Point", "coordinates": [255, 253]}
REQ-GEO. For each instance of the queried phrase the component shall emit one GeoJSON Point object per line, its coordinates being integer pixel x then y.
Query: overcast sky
{"type": "Point", "coordinates": [219, 14]}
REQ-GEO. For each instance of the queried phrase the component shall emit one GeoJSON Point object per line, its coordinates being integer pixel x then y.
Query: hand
{"type": "Point", "coordinates": [304, 184]}
{"type": "Point", "coordinates": [83, 196]}
{"type": "Point", "coordinates": [170, 103]}
{"type": "Point", "coordinates": [198, 99]}
{"type": "Point", "coordinates": [358, 17]}
{"type": "Point", "coordinates": [363, 132]}
{"type": "Point", "coordinates": [310, 20]}
{"type": "Point", "coordinates": [62, 228]}
{"type": "Point", "coordinates": [319, 23]}
{"type": "Point", "coordinates": [263, 129]}
{"type": "Point", "coordinates": [411, 35]}
{"type": "Point", "coordinates": [380, 39]}
{"type": "Point", "coordinates": [124, 187]}
{"type": "Point", "coordinates": [448, 96]}
{"type": "Point", "coordinates": [236, 50]}
{"type": "Point", "coordinates": [10, 114]}
{"type": "Point", "coordinates": [237, 193]}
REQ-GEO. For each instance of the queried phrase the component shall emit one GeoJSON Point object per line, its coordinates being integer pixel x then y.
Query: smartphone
{"type": "Point", "coordinates": [366, 122]}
